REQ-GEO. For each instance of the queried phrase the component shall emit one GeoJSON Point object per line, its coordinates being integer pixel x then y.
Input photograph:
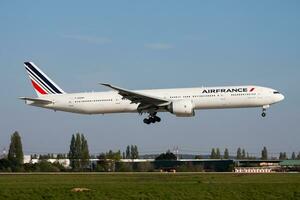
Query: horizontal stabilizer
{"type": "Point", "coordinates": [36, 100]}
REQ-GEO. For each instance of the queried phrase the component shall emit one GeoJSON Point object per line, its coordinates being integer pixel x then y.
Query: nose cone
{"type": "Point", "coordinates": [280, 97]}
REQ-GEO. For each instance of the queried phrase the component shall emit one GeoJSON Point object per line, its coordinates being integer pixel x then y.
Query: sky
{"type": "Point", "coordinates": [152, 44]}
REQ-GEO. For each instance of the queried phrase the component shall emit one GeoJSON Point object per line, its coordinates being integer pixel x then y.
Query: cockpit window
{"type": "Point", "coordinates": [276, 92]}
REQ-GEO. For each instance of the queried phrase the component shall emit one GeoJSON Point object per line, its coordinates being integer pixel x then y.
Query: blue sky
{"type": "Point", "coordinates": [152, 44]}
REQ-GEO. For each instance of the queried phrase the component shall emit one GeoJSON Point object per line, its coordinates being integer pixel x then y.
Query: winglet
{"type": "Point", "coordinates": [105, 84]}
{"type": "Point", "coordinates": [112, 86]}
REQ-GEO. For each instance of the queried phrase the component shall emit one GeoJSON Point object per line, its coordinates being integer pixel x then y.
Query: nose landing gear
{"type": "Point", "coordinates": [264, 111]}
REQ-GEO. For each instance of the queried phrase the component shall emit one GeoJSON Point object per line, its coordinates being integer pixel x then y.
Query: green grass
{"type": "Point", "coordinates": [150, 186]}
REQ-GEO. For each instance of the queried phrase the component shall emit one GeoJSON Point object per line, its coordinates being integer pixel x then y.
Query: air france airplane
{"type": "Point", "coordinates": [181, 102]}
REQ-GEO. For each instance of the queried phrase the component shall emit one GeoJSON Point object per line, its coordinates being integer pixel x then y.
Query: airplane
{"type": "Point", "coordinates": [181, 102]}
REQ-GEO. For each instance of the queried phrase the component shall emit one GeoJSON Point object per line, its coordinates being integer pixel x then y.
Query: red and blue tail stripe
{"type": "Point", "coordinates": [40, 81]}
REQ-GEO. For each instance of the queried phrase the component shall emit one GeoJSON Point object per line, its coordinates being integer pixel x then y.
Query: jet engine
{"type": "Point", "coordinates": [182, 108]}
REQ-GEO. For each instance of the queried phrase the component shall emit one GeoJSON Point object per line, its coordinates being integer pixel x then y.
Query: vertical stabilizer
{"type": "Point", "coordinates": [41, 83]}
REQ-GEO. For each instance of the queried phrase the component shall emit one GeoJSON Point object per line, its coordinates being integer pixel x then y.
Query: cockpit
{"type": "Point", "coordinates": [278, 96]}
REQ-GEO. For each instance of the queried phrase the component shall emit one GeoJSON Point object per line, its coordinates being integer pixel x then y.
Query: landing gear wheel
{"type": "Point", "coordinates": [146, 121]}
{"type": "Point", "coordinates": [157, 119]}
{"type": "Point", "coordinates": [152, 120]}
{"type": "Point", "coordinates": [264, 110]}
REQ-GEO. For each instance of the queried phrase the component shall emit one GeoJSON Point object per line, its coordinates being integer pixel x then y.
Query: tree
{"type": "Point", "coordinates": [44, 157]}
{"type": "Point", "coordinates": [166, 156]}
{"type": "Point", "coordinates": [15, 153]}
{"type": "Point", "coordinates": [85, 154]}
{"type": "Point", "coordinates": [61, 156]}
{"type": "Point", "coordinates": [34, 156]}
{"type": "Point", "coordinates": [264, 154]}
{"type": "Point", "coordinates": [111, 155]}
{"type": "Point", "coordinates": [134, 154]}
{"type": "Point", "coordinates": [107, 161]}
{"type": "Point", "coordinates": [282, 156]}
{"type": "Point", "coordinates": [218, 154]}
{"type": "Point", "coordinates": [243, 154]}
{"type": "Point", "coordinates": [239, 153]}
{"type": "Point", "coordinates": [128, 152]}
{"type": "Point", "coordinates": [45, 166]}
{"type": "Point", "coordinates": [79, 152]}
{"type": "Point", "coordinates": [72, 152]}
{"type": "Point", "coordinates": [213, 154]}
{"type": "Point", "coordinates": [226, 154]}
{"type": "Point", "coordinates": [293, 157]}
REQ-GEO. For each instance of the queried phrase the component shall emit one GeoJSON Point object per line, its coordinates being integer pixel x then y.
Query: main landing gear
{"type": "Point", "coordinates": [151, 119]}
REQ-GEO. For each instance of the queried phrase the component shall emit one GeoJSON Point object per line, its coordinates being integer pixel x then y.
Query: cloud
{"type": "Point", "coordinates": [159, 46]}
{"type": "Point", "coordinates": [89, 39]}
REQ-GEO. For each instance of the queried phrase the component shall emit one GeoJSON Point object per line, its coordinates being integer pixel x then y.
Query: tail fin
{"type": "Point", "coordinates": [41, 83]}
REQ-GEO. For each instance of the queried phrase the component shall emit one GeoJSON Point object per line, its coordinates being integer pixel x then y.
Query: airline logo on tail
{"type": "Point", "coordinates": [41, 82]}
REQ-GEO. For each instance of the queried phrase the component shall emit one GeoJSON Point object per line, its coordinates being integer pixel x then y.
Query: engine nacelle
{"type": "Point", "coordinates": [182, 108]}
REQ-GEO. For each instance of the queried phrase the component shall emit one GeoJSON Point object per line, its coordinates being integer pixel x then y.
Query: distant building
{"type": "Point", "coordinates": [256, 166]}
{"type": "Point", "coordinates": [205, 165]}
{"type": "Point", "coordinates": [290, 165]}
{"type": "Point", "coordinates": [64, 162]}
{"type": "Point", "coordinates": [252, 170]}
{"type": "Point", "coordinates": [136, 160]}
{"type": "Point", "coordinates": [27, 159]}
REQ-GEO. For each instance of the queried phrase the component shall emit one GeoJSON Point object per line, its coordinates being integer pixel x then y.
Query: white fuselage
{"type": "Point", "coordinates": [201, 98]}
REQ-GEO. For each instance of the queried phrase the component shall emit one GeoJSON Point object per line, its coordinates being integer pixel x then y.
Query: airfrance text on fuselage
{"type": "Point", "coordinates": [231, 90]}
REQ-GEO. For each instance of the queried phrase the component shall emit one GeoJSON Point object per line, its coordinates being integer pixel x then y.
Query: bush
{"type": "Point", "coordinates": [166, 156]}
{"type": "Point", "coordinates": [46, 166]}
{"type": "Point", "coordinates": [43, 166]}
{"type": "Point", "coordinates": [10, 166]}
{"type": "Point", "coordinates": [5, 165]}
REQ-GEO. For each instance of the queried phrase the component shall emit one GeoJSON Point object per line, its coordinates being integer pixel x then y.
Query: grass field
{"type": "Point", "coordinates": [150, 186]}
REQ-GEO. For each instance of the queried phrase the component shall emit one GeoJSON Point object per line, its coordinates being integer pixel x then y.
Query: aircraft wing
{"type": "Point", "coordinates": [136, 97]}
{"type": "Point", "coordinates": [36, 100]}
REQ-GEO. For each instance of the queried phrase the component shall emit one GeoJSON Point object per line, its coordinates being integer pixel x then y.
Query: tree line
{"type": "Point", "coordinates": [79, 157]}
{"type": "Point", "coordinates": [241, 154]}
